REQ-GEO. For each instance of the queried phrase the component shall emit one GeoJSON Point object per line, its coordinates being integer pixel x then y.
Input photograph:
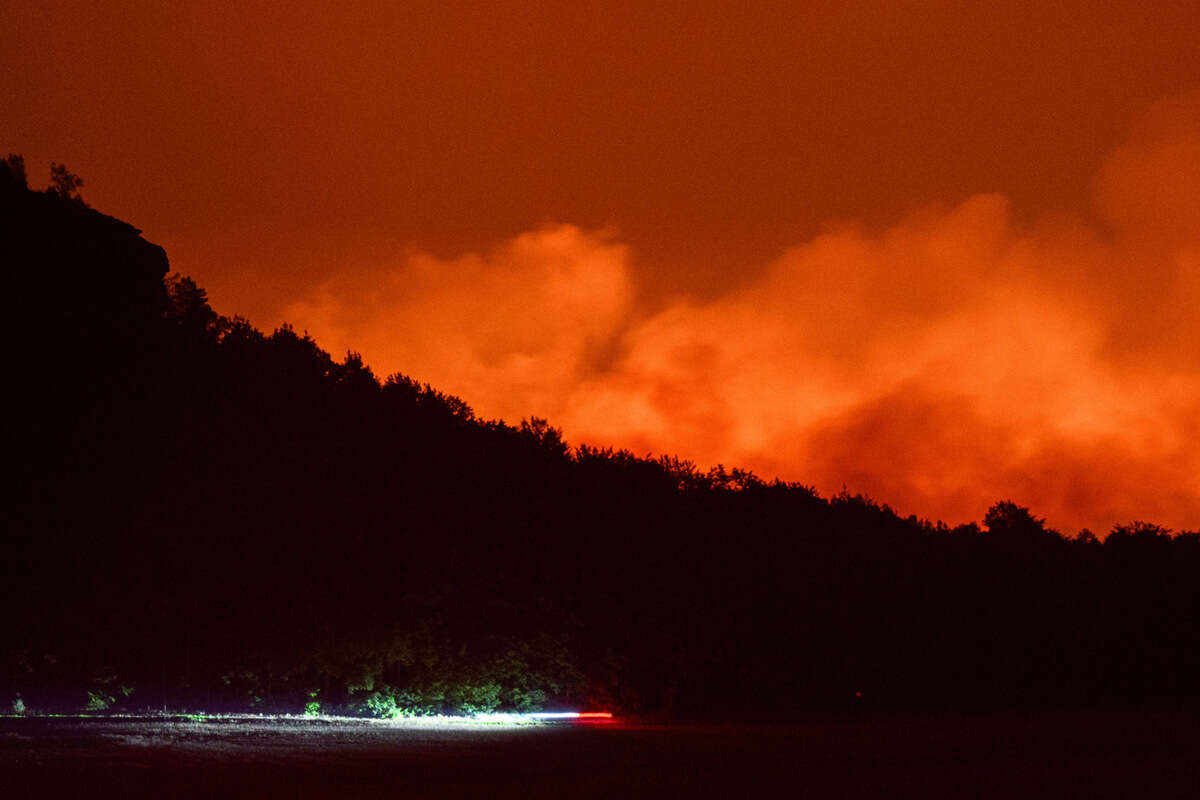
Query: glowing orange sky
{"type": "Point", "coordinates": [941, 253]}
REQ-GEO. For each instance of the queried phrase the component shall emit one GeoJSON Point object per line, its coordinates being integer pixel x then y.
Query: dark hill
{"type": "Point", "coordinates": [205, 516]}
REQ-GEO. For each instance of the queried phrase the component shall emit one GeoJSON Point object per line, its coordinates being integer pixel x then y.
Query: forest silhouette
{"type": "Point", "coordinates": [208, 517]}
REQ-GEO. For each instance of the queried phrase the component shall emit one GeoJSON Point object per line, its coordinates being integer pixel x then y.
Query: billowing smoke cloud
{"type": "Point", "coordinates": [951, 360]}
{"type": "Point", "coordinates": [511, 332]}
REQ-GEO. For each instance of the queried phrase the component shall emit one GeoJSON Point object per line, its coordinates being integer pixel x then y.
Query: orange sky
{"type": "Point", "coordinates": [940, 253]}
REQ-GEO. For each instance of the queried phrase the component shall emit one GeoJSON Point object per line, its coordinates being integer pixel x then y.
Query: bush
{"type": "Point", "coordinates": [525, 700]}
{"type": "Point", "coordinates": [380, 704]}
{"type": "Point", "coordinates": [98, 700]}
{"type": "Point", "coordinates": [467, 699]}
{"type": "Point", "coordinates": [421, 702]}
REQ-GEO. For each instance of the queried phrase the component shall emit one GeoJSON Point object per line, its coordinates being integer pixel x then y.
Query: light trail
{"type": "Point", "coordinates": [546, 716]}
{"type": "Point", "coordinates": [431, 721]}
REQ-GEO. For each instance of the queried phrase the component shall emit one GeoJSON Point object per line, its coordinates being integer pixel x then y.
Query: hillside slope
{"type": "Point", "coordinates": [210, 517]}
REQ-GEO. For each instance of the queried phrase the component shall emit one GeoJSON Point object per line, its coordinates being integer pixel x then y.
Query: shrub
{"type": "Point", "coordinates": [381, 704]}
{"type": "Point", "coordinates": [468, 699]}
{"type": "Point", "coordinates": [98, 700]}
{"type": "Point", "coordinates": [525, 700]}
{"type": "Point", "coordinates": [420, 702]}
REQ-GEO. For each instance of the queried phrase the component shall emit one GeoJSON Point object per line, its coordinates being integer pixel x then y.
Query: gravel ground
{"type": "Point", "coordinates": [927, 756]}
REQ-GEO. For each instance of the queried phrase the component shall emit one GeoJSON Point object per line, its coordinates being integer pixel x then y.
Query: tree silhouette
{"type": "Point", "coordinates": [547, 437]}
{"type": "Point", "coordinates": [1006, 518]}
{"type": "Point", "coordinates": [12, 169]}
{"type": "Point", "coordinates": [187, 304]}
{"type": "Point", "coordinates": [64, 183]}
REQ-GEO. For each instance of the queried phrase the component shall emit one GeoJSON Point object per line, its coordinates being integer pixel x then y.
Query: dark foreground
{"type": "Point", "coordinates": [934, 756]}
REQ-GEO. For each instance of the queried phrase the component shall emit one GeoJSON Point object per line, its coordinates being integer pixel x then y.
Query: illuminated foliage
{"type": "Point", "coordinates": [98, 700]}
{"type": "Point", "coordinates": [381, 704]}
{"type": "Point", "coordinates": [477, 699]}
